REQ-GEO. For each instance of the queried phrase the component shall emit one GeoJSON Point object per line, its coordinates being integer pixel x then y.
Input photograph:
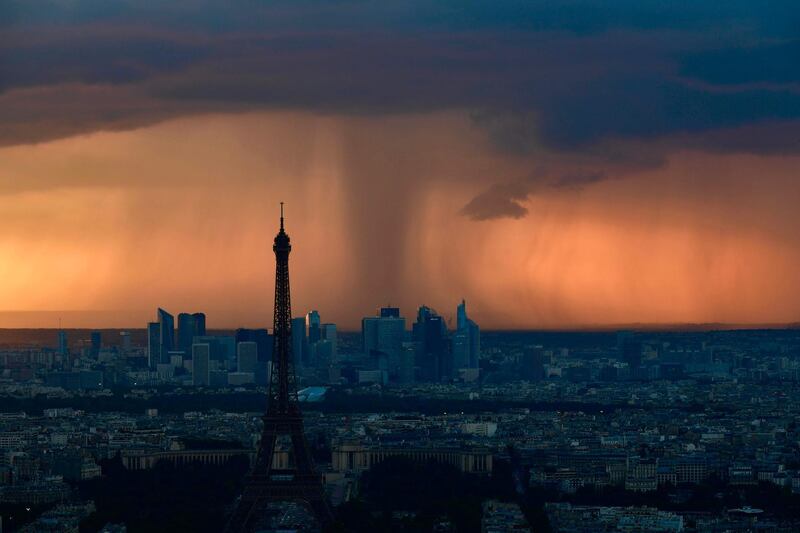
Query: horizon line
{"type": "Point", "coordinates": [563, 327]}
{"type": "Point", "coordinates": [655, 327]}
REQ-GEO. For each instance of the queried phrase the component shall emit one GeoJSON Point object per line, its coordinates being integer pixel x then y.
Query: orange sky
{"type": "Point", "coordinates": [182, 214]}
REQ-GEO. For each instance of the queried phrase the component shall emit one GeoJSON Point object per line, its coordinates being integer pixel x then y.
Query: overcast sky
{"type": "Point", "coordinates": [557, 164]}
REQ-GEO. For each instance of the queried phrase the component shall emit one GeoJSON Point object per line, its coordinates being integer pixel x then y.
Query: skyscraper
{"type": "Point", "coordinates": [222, 349]}
{"type": "Point", "coordinates": [185, 332]}
{"type": "Point", "coordinates": [299, 341]}
{"type": "Point", "coordinates": [313, 326]}
{"type": "Point", "coordinates": [97, 343]}
{"type": "Point", "coordinates": [329, 334]}
{"type": "Point", "coordinates": [125, 341]}
{"type": "Point", "coordinates": [320, 344]}
{"type": "Point", "coordinates": [263, 341]}
{"type": "Point", "coordinates": [382, 338]}
{"type": "Point", "coordinates": [390, 312]}
{"type": "Point", "coordinates": [153, 344]}
{"type": "Point", "coordinates": [430, 335]}
{"type": "Point", "coordinates": [408, 357]}
{"type": "Point", "coordinates": [261, 337]}
{"type": "Point", "coordinates": [63, 347]}
{"type": "Point", "coordinates": [466, 340]}
{"type": "Point", "coordinates": [199, 323]}
{"type": "Point", "coordinates": [460, 349]}
{"type": "Point", "coordinates": [166, 324]}
{"type": "Point", "coordinates": [247, 356]}
{"type": "Point", "coordinates": [189, 327]}
{"type": "Point", "coordinates": [201, 364]}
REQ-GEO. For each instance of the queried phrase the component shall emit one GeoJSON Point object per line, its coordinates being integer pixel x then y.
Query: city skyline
{"type": "Point", "coordinates": [99, 320]}
{"type": "Point", "coordinates": [544, 269]}
{"type": "Point", "coordinates": [558, 166]}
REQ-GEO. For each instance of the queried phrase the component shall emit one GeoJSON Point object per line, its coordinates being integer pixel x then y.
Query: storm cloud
{"type": "Point", "coordinates": [587, 70]}
{"type": "Point", "coordinates": [416, 129]}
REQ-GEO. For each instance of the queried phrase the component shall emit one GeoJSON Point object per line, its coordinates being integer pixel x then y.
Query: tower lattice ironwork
{"type": "Point", "coordinates": [266, 483]}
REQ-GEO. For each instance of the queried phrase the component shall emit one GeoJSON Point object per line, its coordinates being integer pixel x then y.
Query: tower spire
{"type": "Point", "coordinates": [269, 482]}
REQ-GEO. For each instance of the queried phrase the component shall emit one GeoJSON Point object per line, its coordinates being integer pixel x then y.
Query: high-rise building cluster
{"type": "Point", "coordinates": [428, 352]}
{"type": "Point", "coordinates": [314, 344]}
{"type": "Point", "coordinates": [390, 351]}
{"type": "Point", "coordinates": [204, 360]}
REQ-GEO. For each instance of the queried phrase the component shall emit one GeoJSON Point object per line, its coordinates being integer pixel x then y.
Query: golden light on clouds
{"type": "Point", "coordinates": [181, 215]}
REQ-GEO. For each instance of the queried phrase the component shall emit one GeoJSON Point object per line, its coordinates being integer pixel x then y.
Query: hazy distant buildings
{"type": "Point", "coordinates": [430, 335]}
{"type": "Point", "coordinates": [167, 331]}
{"type": "Point", "coordinates": [160, 338]}
{"type": "Point", "coordinates": [314, 344]}
{"type": "Point", "coordinates": [390, 312]}
{"type": "Point", "coordinates": [166, 324]}
{"type": "Point", "coordinates": [432, 356]}
{"type": "Point", "coordinates": [190, 326]}
{"type": "Point", "coordinates": [329, 334]}
{"type": "Point", "coordinates": [320, 353]}
{"type": "Point", "coordinates": [313, 327]}
{"type": "Point", "coordinates": [261, 337]}
{"type": "Point", "coordinates": [427, 353]}
{"type": "Point", "coordinates": [459, 348]}
{"type": "Point", "coordinates": [176, 359]}
{"type": "Point", "coordinates": [201, 364]}
{"type": "Point", "coordinates": [299, 342]}
{"type": "Point", "coordinates": [464, 323]}
{"type": "Point", "coordinates": [247, 356]}
{"type": "Point", "coordinates": [408, 358]}
{"type": "Point", "coordinates": [153, 344]}
{"type": "Point", "coordinates": [161, 344]}
{"type": "Point", "coordinates": [382, 339]}
{"type": "Point", "coordinates": [321, 345]}
{"type": "Point", "coordinates": [63, 347]}
{"type": "Point", "coordinates": [466, 341]}
{"type": "Point", "coordinates": [263, 342]}
{"type": "Point", "coordinates": [630, 349]}
{"type": "Point", "coordinates": [222, 349]}
{"type": "Point", "coordinates": [97, 344]}
{"type": "Point", "coordinates": [532, 364]}
{"type": "Point", "coordinates": [125, 341]}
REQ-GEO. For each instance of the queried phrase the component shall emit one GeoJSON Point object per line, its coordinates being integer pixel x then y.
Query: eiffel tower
{"type": "Point", "coordinates": [266, 483]}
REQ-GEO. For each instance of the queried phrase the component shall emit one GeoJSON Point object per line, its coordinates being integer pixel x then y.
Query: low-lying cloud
{"type": "Point", "coordinates": [507, 200]}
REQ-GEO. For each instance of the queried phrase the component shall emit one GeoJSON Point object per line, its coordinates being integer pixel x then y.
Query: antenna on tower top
{"type": "Point", "coordinates": [281, 215]}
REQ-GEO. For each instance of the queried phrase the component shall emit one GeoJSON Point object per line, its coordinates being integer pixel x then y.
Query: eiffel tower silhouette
{"type": "Point", "coordinates": [266, 483]}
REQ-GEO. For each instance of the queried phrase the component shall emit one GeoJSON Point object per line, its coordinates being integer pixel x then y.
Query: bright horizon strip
{"type": "Point", "coordinates": [181, 215]}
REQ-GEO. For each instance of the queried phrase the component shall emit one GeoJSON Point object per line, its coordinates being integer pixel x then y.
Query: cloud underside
{"type": "Point", "coordinates": [617, 87]}
{"type": "Point", "coordinates": [499, 201]}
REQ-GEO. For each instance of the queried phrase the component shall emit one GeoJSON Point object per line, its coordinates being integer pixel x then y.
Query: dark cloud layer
{"type": "Point", "coordinates": [93, 59]}
{"type": "Point", "coordinates": [539, 77]}
{"type": "Point", "coordinates": [500, 200]}
{"type": "Point", "coordinates": [769, 63]}
{"type": "Point", "coordinates": [505, 200]}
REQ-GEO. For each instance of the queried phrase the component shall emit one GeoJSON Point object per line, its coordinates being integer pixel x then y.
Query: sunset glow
{"type": "Point", "coordinates": [581, 165]}
{"type": "Point", "coordinates": [179, 215]}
